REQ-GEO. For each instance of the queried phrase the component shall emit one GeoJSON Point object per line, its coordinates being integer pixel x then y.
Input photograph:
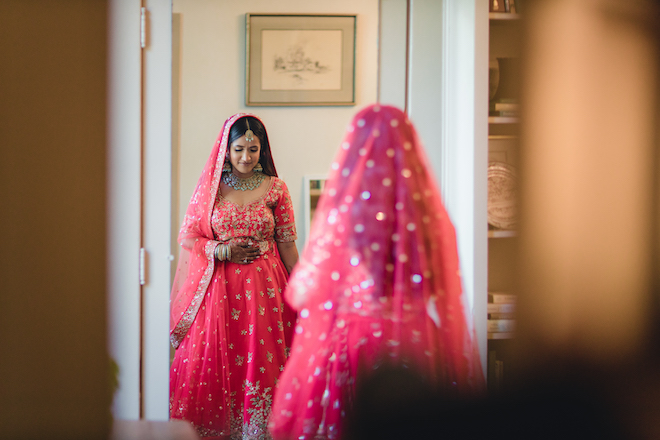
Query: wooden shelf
{"type": "Point", "coordinates": [503, 335]}
{"type": "Point", "coordinates": [503, 120]}
{"type": "Point", "coordinates": [504, 40]}
{"type": "Point", "coordinates": [502, 136]}
{"type": "Point", "coordinates": [503, 16]}
{"type": "Point", "coordinates": [498, 233]}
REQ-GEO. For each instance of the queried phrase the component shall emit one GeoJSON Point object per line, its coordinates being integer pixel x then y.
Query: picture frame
{"type": "Point", "coordinates": [300, 59]}
{"type": "Point", "coordinates": [313, 185]}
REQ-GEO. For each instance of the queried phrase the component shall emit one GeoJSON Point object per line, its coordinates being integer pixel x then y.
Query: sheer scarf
{"type": "Point", "coordinates": [382, 246]}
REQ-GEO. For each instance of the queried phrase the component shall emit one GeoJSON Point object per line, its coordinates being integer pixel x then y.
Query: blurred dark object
{"type": "Point", "coordinates": [396, 403]}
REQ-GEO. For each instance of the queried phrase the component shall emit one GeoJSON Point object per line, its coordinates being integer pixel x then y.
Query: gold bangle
{"type": "Point", "coordinates": [215, 252]}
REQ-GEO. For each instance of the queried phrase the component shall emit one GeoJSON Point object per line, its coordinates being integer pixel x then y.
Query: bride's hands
{"type": "Point", "coordinates": [243, 253]}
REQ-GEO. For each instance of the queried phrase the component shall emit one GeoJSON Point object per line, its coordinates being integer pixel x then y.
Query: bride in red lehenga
{"type": "Point", "coordinates": [229, 323]}
{"type": "Point", "coordinates": [377, 284]}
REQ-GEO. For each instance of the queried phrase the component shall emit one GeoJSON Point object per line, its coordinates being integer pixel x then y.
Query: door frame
{"type": "Point", "coordinates": [140, 204]}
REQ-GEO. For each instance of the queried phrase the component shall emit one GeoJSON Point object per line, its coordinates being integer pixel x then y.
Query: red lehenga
{"type": "Point", "coordinates": [377, 283]}
{"type": "Point", "coordinates": [229, 323]}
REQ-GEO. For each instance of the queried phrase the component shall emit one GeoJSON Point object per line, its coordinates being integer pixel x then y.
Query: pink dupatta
{"type": "Point", "coordinates": [196, 264]}
{"type": "Point", "coordinates": [382, 244]}
{"type": "Point", "coordinates": [378, 282]}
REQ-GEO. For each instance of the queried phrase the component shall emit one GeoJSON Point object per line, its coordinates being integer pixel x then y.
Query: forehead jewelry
{"type": "Point", "coordinates": [249, 134]}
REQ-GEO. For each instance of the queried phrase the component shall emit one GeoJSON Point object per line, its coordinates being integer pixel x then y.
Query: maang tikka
{"type": "Point", "coordinates": [249, 134]}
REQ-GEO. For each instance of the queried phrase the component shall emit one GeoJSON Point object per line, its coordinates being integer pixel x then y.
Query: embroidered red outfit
{"type": "Point", "coordinates": [378, 282]}
{"type": "Point", "coordinates": [229, 322]}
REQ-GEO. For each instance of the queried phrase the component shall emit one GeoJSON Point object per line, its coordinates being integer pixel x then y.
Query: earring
{"type": "Point", "coordinates": [226, 168]}
{"type": "Point", "coordinates": [258, 168]}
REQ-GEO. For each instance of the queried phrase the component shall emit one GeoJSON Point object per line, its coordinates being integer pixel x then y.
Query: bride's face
{"type": "Point", "coordinates": [244, 155]}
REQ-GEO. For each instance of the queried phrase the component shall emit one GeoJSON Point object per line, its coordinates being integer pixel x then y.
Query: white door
{"type": "Point", "coordinates": [139, 204]}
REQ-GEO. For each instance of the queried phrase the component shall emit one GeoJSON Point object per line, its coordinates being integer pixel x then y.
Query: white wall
{"type": "Point", "coordinates": [448, 103]}
{"type": "Point", "coordinates": [212, 88]}
{"type": "Point", "coordinates": [392, 48]}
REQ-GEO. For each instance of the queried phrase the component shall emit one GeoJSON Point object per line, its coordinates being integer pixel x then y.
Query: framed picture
{"type": "Point", "coordinates": [304, 60]}
{"type": "Point", "coordinates": [312, 190]}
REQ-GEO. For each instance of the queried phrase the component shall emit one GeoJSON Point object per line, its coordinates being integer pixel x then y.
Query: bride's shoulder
{"type": "Point", "coordinates": [277, 183]}
{"type": "Point", "coordinates": [277, 187]}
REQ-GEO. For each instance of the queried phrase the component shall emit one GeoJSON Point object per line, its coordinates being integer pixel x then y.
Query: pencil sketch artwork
{"type": "Point", "coordinates": [301, 59]}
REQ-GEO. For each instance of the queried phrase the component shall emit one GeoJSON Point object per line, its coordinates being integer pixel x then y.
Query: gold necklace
{"type": "Point", "coordinates": [243, 183]}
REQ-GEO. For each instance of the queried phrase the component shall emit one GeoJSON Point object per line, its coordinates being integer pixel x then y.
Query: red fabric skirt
{"type": "Point", "coordinates": [224, 372]}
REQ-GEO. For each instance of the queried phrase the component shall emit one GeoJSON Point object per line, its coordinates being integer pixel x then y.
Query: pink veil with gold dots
{"type": "Point", "coordinates": [378, 281]}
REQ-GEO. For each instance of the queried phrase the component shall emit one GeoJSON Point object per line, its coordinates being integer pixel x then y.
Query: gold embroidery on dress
{"type": "Point", "coordinates": [256, 427]}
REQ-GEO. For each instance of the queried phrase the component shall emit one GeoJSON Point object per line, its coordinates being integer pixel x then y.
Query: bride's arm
{"type": "Point", "coordinates": [288, 254]}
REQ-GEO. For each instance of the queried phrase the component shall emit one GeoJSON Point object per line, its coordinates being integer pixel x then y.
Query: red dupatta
{"type": "Point", "coordinates": [196, 264]}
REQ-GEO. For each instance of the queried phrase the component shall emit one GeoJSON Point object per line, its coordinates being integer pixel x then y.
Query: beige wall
{"type": "Point", "coordinates": [211, 88]}
{"type": "Point", "coordinates": [53, 367]}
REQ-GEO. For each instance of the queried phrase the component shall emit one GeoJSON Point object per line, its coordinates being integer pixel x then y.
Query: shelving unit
{"type": "Point", "coordinates": [504, 32]}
